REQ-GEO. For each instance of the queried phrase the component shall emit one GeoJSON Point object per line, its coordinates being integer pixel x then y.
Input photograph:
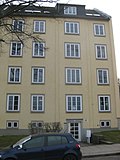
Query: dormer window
{"type": "Point", "coordinates": [70, 10]}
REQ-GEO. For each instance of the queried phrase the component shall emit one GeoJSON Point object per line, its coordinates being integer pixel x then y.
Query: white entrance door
{"type": "Point", "coordinates": [75, 129]}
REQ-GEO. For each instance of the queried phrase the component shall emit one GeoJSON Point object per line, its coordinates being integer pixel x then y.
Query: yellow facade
{"type": "Point", "coordinates": [54, 87]}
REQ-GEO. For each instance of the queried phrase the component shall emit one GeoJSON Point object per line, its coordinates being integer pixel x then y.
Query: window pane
{"type": "Point", "coordinates": [98, 52]}
{"type": "Point", "coordinates": [39, 103]}
{"type": "Point", "coordinates": [77, 76]}
{"type": "Point", "coordinates": [76, 28]}
{"type": "Point", "coordinates": [73, 75]}
{"type": "Point", "coordinates": [40, 75]}
{"type": "Point", "coordinates": [34, 102]}
{"type": "Point", "coordinates": [101, 30]}
{"type": "Point", "coordinates": [105, 76]}
{"type": "Point", "coordinates": [106, 103]}
{"type": "Point", "coordinates": [68, 49]}
{"type": "Point", "coordinates": [76, 50]}
{"type": "Point", "coordinates": [36, 48]}
{"type": "Point", "coordinates": [18, 48]}
{"type": "Point", "coordinates": [103, 51]}
{"type": "Point", "coordinates": [101, 103]}
{"type": "Point", "coordinates": [41, 26]}
{"type": "Point", "coordinates": [15, 102]}
{"type": "Point", "coordinates": [100, 76]}
{"type": "Point", "coordinates": [69, 103]}
{"type": "Point", "coordinates": [71, 27]}
{"type": "Point", "coordinates": [10, 107]}
{"type": "Point", "coordinates": [13, 48]}
{"type": "Point", "coordinates": [67, 27]}
{"type": "Point", "coordinates": [35, 75]}
{"type": "Point", "coordinates": [96, 29]}
{"type": "Point", "coordinates": [73, 103]}
{"type": "Point", "coordinates": [78, 103]}
{"type": "Point", "coordinates": [12, 74]}
{"type": "Point", "coordinates": [37, 26]}
{"type": "Point", "coordinates": [72, 50]}
{"type": "Point", "coordinates": [17, 74]}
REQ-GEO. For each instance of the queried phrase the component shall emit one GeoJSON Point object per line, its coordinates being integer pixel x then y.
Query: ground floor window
{"type": "Point", "coordinates": [12, 124]}
{"type": "Point", "coordinates": [105, 124]}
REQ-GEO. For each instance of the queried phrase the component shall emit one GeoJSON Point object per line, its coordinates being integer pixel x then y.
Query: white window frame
{"type": "Point", "coordinates": [39, 79]}
{"type": "Point", "coordinates": [73, 99]}
{"type": "Point", "coordinates": [40, 49]}
{"type": "Point", "coordinates": [39, 26]}
{"type": "Point", "coordinates": [103, 76]}
{"type": "Point", "coordinates": [17, 48]}
{"type": "Point", "coordinates": [101, 51]}
{"type": "Point", "coordinates": [18, 28]}
{"type": "Point", "coordinates": [70, 10]}
{"type": "Point", "coordinates": [38, 101]}
{"type": "Point", "coordinates": [72, 50]}
{"type": "Point", "coordinates": [99, 29]}
{"type": "Point", "coordinates": [72, 28]}
{"type": "Point", "coordinates": [14, 75]}
{"type": "Point", "coordinates": [103, 109]}
{"type": "Point", "coordinates": [105, 123]}
{"type": "Point", "coordinates": [13, 103]}
{"type": "Point", "coordinates": [72, 77]}
{"type": "Point", "coordinates": [37, 124]}
{"type": "Point", "coordinates": [12, 124]}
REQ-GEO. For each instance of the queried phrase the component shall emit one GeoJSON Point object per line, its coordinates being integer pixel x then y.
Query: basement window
{"type": "Point", "coordinates": [12, 124]}
{"type": "Point", "coordinates": [105, 124]}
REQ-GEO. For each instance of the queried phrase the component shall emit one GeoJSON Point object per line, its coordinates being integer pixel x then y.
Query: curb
{"type": "Point", "coordinates": [101, 154]}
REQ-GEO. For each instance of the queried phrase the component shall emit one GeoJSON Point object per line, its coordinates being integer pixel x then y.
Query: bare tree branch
{"type": "Point", "coordinates": [9, 9]}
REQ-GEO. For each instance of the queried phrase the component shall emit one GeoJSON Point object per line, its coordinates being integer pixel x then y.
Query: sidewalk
{"type": "Point", "coordinates": [99, 150]}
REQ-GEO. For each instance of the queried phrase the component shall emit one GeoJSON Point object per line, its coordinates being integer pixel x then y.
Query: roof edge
{"type": "Point", "coordinates": [102, 13]}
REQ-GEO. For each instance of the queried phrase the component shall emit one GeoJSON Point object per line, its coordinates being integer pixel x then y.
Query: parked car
{"type": "Point", "coordinates": [44, 147]}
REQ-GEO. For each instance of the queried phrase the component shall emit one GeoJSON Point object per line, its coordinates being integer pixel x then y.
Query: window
{"type": "Point", "coordinates": [37, 75]}
{"type": "Point", "coordinates": [72, 27]}
{"type": "Point", "coordinates": [37, 124]}
{"type": "Point", "coordinates": [104, 103]}
{"type": "Point", "coordinates": [70, 10]}
{"type": "Point", "coordinates": [38, 49]}
{"type": "Point", "coordinates": [74, 103]}
{"type": "Point", "coordinates": [39, 26]}
{"type": "Point", "coordinates": [72, 50]}
{"type": "Point", "coordinates": [99, 30]}
{"type": "Point", "coordinates": [101, 52]}
{"type": "Point", "coordinates": [56, 140]}
{"type": "Point", "coordinates": [37, 103]}
{"type": "Point", "coordinates": [12, 124]}
{"type": "Point", "coordinates": [14, 75]}
{"type": "Point", "coordinates": [18, 25]}
{"type": "Point", "coordinates": [13, 103]}
{"type": "Point", "coordinates": [105, 124]}
{"type": "Point", "coordinates": [16, 49]}
{"type": "Point", "coordinates": [102, 75]}
{"type": "Point", "coordinates": [36, 142]}
{"type": "Point", "coordinates": [73, 75]}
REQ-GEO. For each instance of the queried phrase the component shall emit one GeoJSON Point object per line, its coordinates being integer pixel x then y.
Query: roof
{"type": "Point", "coordinates": [57, 11]}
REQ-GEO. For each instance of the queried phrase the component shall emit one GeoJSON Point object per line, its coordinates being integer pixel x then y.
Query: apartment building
{"type": "Point", "coordinates": [68, 77]}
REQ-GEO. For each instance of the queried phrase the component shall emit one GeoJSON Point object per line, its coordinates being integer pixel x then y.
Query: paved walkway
{"type": "Point", "coordinates": [99, 150]}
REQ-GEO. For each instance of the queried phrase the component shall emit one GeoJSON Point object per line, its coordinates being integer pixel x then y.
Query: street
{"type": "Point", "coordinates": [115, 157]}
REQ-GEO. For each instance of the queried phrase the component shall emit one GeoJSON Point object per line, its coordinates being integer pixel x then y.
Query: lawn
{"type": "Point", "coordinates": [112, 136]}
{"type": "Point", "coordinates": [9, 140]}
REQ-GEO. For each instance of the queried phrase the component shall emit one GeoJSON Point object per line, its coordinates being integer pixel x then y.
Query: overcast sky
{"type": "Point", "coordinates": [111, 7]}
